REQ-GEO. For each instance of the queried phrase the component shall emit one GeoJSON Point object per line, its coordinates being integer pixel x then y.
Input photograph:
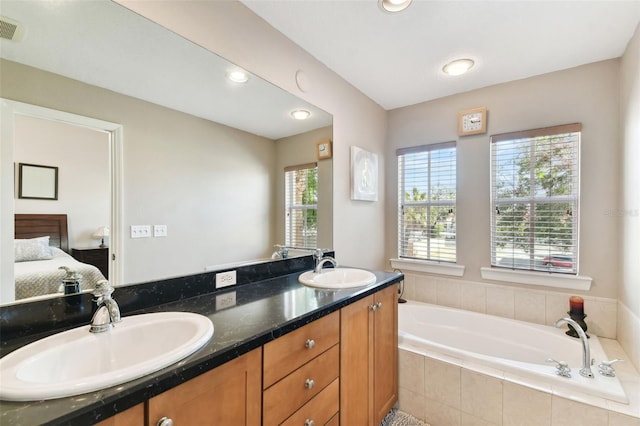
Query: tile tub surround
{"type": "Point", "coordinates": [265, 309]}
{"type": "Point", "coordinates": [444, 392]}
{"type": "Point", "coordinates": [605, 317]}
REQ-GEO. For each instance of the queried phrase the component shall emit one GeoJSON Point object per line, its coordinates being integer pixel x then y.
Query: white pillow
{"type": "Point", "coordinates": [32, 249]}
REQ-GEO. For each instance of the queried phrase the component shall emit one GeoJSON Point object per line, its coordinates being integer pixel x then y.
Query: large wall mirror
{"type": "Point", "coordinates": [201, 161]}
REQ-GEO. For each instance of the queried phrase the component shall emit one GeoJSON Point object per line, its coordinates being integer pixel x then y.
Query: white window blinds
{"type": "Point", "coordinates": [301, 205]}
{"type": "Point", "coordinates": [534, 199]}
{"type": "Point", "coordinates": [427, 202]}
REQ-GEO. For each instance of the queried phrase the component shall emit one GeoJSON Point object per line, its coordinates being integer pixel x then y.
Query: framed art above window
{"type": "Point", "coordinates": [37, 182]}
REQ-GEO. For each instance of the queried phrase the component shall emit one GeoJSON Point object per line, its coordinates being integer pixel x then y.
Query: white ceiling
{"type": "Point", "coordinates": [396, 59]}
{"type": "Point", "coordinates": [103, 44]}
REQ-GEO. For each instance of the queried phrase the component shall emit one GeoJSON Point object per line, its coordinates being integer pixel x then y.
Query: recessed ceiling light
{"type": "Point", "coordinates": [238, 76]}
{"type": "Point", "coordinates": [394, 5]}
{"type": "Point", "coordinates": [458, 67]}
{"type": "Point", "coordinates": [300, 114]}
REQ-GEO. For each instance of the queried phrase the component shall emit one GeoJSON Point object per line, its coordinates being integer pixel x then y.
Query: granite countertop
{"type": "Point", "coordinates": [263, 311]}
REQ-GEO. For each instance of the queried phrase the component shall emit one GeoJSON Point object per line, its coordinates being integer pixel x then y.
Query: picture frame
{"type": "Point", "coordinates": [364, 175]}
{"type": "Point", "coordinates": [37, 182]}
{"type": "Point", "coordinates": [472, 121]}
{"type": "Point", "coordinates": [323, 149]}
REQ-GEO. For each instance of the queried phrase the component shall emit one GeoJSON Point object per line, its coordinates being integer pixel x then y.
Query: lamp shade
{"type": "Point", "coordinates": [100, 234]}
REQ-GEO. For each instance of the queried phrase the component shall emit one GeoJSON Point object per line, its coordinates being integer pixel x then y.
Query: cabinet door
{"type": "Point", "coordinates": [229, 395]}
{"type": "Point", "coordinates": [385, 349]}
{"type": "Point", "coordinates": [134, 416]}
{"type": "Point", "coordinates": [356, 363]}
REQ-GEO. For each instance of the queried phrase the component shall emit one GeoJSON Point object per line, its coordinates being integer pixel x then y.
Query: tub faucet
{"type": "Point", "coordinates": [108, 312]}
{"type": "Point", "coordinates": [586, 354]}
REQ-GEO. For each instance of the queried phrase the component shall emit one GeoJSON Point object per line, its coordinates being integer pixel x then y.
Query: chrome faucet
{"type": "Point", "coordinates": [586, 354]}
{"type": "Point", "coordinates": [108, 312]}
{"type": "Point", "coordinates": [320, 263]}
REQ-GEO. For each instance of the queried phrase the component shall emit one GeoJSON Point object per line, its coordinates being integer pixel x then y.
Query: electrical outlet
{"type": "Point", "coordinates": [140, 231]}
{"type": "Point", "coordinates": [225, 300]}
{"type": "Point", "coordinates": [159, 230]}
{"type": "Point", "coordinates": [225, 279]}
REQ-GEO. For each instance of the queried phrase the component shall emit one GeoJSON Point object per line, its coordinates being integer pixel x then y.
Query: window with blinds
{"type": "Point", "coordinates": [301, 205]}
{"type": "Point", "coordinates": [535, 199]}
{"type": "Point", "coordinates": [427, 202]}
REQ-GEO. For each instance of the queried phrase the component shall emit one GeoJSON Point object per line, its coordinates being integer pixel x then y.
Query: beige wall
{"type": "Point", "coordinates": [82, 158]}
{"type": "Point", "coordinates": [587, 94]}
{"type": "Point", "coordinates": [629, 206]}
{"type": "Point", "coordinates": [301, 149]}
{"type": "Point", "coordinates": [358, 229]}
{"type": "Point", "coordinates": [179, 170]}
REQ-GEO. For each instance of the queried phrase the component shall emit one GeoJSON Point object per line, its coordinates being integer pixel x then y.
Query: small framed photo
{"type": "Point", "coordinates": [364, 175]}
{"type": "Point", "coordinates": [37, 182]}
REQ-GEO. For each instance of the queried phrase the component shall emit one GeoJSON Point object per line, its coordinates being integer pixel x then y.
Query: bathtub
{"type": "Point", "coordinates": [507, 347]}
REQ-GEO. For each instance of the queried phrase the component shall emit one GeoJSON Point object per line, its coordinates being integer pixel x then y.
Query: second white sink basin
{"type": "Point", "coordinates": [76, 361]}
{"type": "Point", "coordinates": [338, 278]}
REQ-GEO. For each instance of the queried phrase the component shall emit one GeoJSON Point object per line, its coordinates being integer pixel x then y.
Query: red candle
{"type": "Point", "coordinates": [576, 305]}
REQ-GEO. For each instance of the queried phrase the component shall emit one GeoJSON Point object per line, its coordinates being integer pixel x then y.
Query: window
{"type": "Point", "coordinates": [534, 199]}
{"type": "Point", "coordinates": [301, 205]}
{"type": "Point", "coordinates": [427, 202]}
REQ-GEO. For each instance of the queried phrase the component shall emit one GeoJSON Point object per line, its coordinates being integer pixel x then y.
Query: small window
{"type": "Point", "coordinates": [427, 202]}
{"type": "Point", "coordinates": [301, 209]}
{"type": "Point", "coordinates": [534, 199]}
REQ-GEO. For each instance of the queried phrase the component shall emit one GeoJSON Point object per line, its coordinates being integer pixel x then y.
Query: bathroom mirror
{"type": "Point", "coordinates": [201, 155]}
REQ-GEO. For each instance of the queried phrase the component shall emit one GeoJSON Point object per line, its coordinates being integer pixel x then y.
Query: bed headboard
{"type": "Point", "coordinates": [40, 225]}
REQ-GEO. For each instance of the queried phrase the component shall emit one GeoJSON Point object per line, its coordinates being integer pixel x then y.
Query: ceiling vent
{"type": "Point", "coordinates": [10, 29]}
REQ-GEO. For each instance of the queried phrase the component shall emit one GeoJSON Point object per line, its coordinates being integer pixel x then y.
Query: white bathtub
{"type": "Point", "coordinates": [515, 347]}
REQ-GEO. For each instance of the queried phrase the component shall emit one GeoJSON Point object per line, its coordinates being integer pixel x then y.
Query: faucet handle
{"type": "Point", "coordinates": [562, 367]}
{"type": "Point", "coordinates": [605, 367]}
{"type": "Point", "coordinates": [103, 289]}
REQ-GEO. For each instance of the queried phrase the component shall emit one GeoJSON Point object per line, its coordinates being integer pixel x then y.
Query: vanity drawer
{"type": "Point", "coordinates": [293, 391]}
{"type": "Point", "coordinates": [285, 354]}
{"type": "Point", "coordinates": [321, 409]}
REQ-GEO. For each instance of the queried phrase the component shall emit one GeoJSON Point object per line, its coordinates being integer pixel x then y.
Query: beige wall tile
{"type": "Point", "coordinates": [425, 289]}
{"type": "Point", "coordinates": [523, 406]}
{"type": "Point", "coordinates": [481, 396]}
{"type": "Point", "coordinates": [469, 420]}
{"type": "Point", "coordinates": [530, 307]}
{"type": "Point", "coordinates": [437, 414]}
{"type": "Point", "coordinates": [448, 293]}
{"type": "Point", "coordinates": [500, 301]}
{"type": "Point", "coordinates": [474, 297]}
{"type": "Point", "coordinates": [557, 306]}
{"type": "Point", "coordinates": [442, 382]}
{"type": "Point", "coordinates": [570, 413]}
{"type": "Point", "coordinates": [601, 317]}
{"type": "Point", "coordinates": [617, 419]}
{"type": "Point", "coordinates": [411, 371]}
{"type": "Point", "coordinates": [411, 403]}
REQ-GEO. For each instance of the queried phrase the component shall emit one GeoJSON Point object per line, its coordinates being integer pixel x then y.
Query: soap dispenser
{"type": "Point", "coordinates": [71, 281]}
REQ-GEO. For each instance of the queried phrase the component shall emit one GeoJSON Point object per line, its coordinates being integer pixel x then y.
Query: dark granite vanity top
{"type": "Point", "coordinates": [264, 309]}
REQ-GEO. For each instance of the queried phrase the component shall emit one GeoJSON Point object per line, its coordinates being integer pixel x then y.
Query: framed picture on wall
{"type": "Point", "coordinates": [364, 175]}
{"type": "Point", "coordinates": [37, 182]}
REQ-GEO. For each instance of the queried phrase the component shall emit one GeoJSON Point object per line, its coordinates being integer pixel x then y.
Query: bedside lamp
{"type": "Point", "coordinates": [102, 232]}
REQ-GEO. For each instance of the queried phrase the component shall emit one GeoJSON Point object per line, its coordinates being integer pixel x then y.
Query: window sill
{"type": "Point", "coordinates": [450, 269]}
{"type": "Point", "coordinates": [573, 282]}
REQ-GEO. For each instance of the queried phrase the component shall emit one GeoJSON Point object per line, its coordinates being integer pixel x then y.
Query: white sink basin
{"type": "Point", "coordinates": [76, 361]}
{"type": "Point", "coordinates": [337, 278]}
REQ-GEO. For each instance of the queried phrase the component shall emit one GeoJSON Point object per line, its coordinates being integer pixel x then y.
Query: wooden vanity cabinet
{"type": "Point", "coordinates": [301, 375]}
{"type": "Point", "coordinates": [227, 395]}
{"type": "Point", "coordinates": [369, 358]}
{"type": "Point", "coordinates": [134, 416]}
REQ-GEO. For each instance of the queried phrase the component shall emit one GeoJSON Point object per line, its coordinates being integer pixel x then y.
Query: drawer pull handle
{"type": "Point", "coordinates": [309, 344]}
{"type": "Point", "coordinates": [308, 422]}
{"type": "Point", "coordinates": [309, 383]}
{"type": "Point", "coordinates": [373, 308]}
{"type": "Point", "coordinates": [379, 305]}
{"type": "Point", "coordinates": [165, 421]}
